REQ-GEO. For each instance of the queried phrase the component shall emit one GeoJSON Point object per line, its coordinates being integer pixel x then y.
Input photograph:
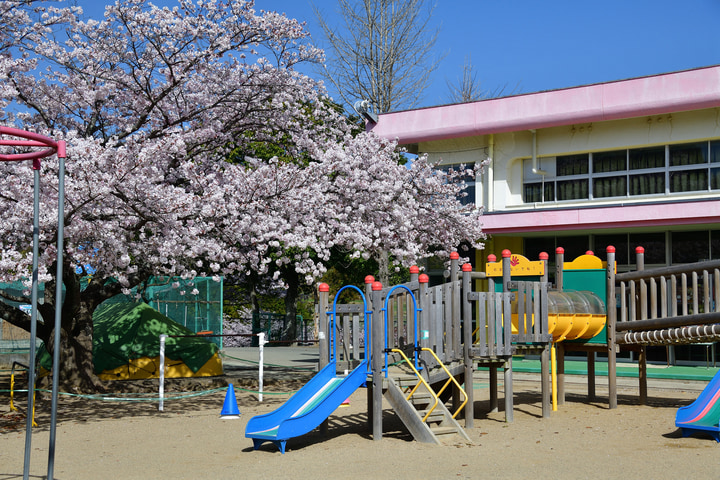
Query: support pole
{"type": "Point", "coordinates": [611, 320]}
{"type": "Point", "coordinates": [377, 356]}
{"type": "Point", "coordinates": [553, 370]}
{"type": "Point", "coordinates": [546, 385]}
{"type": "Point", "coordinates": [161, 393]}
{"type": "Point", "coordinates": [261, 360]}
{"type": "Point", "coordinates": [642, 355]}
{"type": "Point", "coordinates": [508, 379]}
{"type": "Point", "coordinates": [369, 279]}
{"type": "Point", "coordinates": [33, 321]}
{"type": "Point", "coordinates": [58, 308]}
{"type": "Point", "coordinates": [467, 345]}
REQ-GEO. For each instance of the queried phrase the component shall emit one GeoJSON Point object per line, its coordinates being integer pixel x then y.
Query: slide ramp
{"type": "Point", "coordinates": [307, 408]}
{"type": "Point", "coordinates": [704, 413]}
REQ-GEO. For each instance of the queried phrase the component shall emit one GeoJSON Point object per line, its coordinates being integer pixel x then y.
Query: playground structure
{"type": "Point", "coordinates": [417, 346]}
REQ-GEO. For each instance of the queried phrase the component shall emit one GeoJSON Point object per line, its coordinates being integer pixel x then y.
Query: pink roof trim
{"type": "Point", "coordinates": [635, 216]}
{"type": "Point", "coordinates": [654, 95]}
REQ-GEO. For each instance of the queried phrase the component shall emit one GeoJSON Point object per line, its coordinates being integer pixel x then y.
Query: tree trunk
{"type": "Point", "coordinates": [291, 297]}
{"type": "Point", "coordinates": [383, 260]}
{"type": "Point", "coordinates": [76, 370]}
{"type": "Point", "coordinates": [256, 320]}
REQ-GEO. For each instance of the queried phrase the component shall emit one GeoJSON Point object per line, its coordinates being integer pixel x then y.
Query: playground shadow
{"type": "Point", "coordinates": [139, 399]}
{"type": "Point", "coordinates": [530, 404]}
{"type": "Point", "coordinates": [344, 425]}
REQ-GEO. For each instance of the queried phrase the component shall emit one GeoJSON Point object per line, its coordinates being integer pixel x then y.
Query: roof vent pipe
{"type": "Point", "coordinates": [535, 168]}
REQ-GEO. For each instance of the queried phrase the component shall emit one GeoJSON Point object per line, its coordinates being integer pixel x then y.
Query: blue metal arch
{"type": "Point", "coordinates": [415, 322]}
{"type": "Point", "coordinates": [331, 323]}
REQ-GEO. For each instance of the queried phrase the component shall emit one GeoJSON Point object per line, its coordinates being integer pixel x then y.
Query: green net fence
{"type": "Point", "coordinates": [196, 304]}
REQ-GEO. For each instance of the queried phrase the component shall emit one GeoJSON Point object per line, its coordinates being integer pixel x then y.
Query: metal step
{"type": "Point", "coordinates": [441, 431]}
{"type": "Point", "coordinates": [436, 416]}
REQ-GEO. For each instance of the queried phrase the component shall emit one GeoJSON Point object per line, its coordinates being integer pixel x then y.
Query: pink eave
{"type": "Point", "coordinates": [625, 216]}
{"type": "Point", "coordinates": [653, 95]}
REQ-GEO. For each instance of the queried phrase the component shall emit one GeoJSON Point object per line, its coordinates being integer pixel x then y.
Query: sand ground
{"type": "Point", "coordinates": [189, 440]}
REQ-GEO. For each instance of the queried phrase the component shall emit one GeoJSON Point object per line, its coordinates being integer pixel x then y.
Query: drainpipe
{"type": "Point", "coordinates": [535, 168]}
{"type": "Point", "coordinates": [491, 174]}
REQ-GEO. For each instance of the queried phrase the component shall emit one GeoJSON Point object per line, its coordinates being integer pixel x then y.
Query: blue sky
{"type": "Point", "coordinates": [532, 45]}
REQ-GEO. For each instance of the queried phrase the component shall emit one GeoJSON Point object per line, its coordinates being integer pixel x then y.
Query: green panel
{"type": "Point", "coordinates": [593, 280]}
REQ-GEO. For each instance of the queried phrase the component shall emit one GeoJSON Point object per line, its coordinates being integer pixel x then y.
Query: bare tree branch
{"type": "Point", "coordinates": [383, 53]}
{"type": "Point", "coordinates": [468, 87]}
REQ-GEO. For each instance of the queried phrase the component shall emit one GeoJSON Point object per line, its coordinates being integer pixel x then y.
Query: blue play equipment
{"type": "Point", "coordinates": [704, 413]}
{"type": "Point", "coordinates": [416, 309]}
{"type": "Point", "coordinates": [317, 399]}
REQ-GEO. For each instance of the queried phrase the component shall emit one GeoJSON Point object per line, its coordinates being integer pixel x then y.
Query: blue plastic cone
{"type": "Point", "coordinates": [230, 407]}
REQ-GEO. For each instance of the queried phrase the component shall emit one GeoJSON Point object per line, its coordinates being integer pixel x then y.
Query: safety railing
{"type": "Point", "coordinates": [658, 306]}
{"type": "Point", "coordinates": [433, 393]}
{"type": "Point", "coordinates": [13, 408]}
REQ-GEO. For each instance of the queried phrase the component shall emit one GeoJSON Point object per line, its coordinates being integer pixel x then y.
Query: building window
{"type": "Point", "coordinates": [651, 171]}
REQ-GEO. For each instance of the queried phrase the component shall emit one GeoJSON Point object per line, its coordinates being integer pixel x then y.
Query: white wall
{"type": "Point", "coordinates": [510, 149]}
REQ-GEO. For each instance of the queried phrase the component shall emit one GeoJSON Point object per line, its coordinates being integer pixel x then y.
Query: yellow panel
{"type": "Point", "coordinates": [585, 262]}
{"type": "Point", "coordinates": [520, 266]}
{"type": "Point", "coordinates": [147, 367]}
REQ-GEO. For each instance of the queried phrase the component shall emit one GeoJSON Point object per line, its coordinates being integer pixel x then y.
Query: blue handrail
{"type": "Point", "coordinates": [415, 321]}
{"type": "Point", "coordinates": [331, 323]}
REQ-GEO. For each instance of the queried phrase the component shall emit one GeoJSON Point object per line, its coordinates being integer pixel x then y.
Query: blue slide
{"type": "Point", "coordinates": [307, 408]}
{"type": "Point", "coordinates": [704, 413]}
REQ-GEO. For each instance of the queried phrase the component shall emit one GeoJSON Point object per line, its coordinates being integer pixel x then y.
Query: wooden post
{"type": "Point", "coordinates": [550, 382]}
{"type": "Point", "coordinates": [591, 375]}
{"type": "Point", "coordinates": [545, 381]}
{"type": "Point", "coordinates": [610, 328]}
{"type": "Point", "coordinates": [642, 355]}
{"type": "Point", "coordinates": [559, 266]}
{"type": "Point", "coordinates": [455, 303]}
{"type": "Point", "coordinates": [491, 280]}
{"type": "Point", "coordinates": [508, 386]}
{"type": "Point", "coordinates": [560, 347]}
{"type": "Point", "coordinates": [507, 374]}
{"type": "Point", "coordinates": [467, 345]}
{"type": "Point", "coordinates": [377, 356]}
{"type": "Point", "coordinates": [368, 349]}
{"type": "Point", "coordinates": [492, 369]}
{"type": "Point", "coordinates": [455, 312]}
{"type": "Point", "coordinates": [507, 276]}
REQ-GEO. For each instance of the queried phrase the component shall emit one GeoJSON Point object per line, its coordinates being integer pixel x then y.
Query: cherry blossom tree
{"type": "Point", "coordinates": [152, 103]}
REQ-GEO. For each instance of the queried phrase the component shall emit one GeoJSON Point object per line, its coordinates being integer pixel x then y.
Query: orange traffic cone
{"type": "Point", "coordinates": [230, 407]}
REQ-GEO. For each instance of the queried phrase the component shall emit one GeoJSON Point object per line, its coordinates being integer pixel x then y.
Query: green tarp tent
{"type": "Point", "coordinates": [126, 345]}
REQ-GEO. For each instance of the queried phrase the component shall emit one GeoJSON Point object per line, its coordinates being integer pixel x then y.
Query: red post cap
{"type": "Point", "coordinates": [467, 267]}
{"type": "Point", "coordinates": [559, 250]}
{"type": "Point", "coordinates": [639, 250]}
{"type": "Point", "coordinates": [544, 256]}
{"type": "Point", "coordinates": [454, 255]}
{"type": "Point", "coordinates": [414, 269]}
{"type": "Point", "coordinates": [324, 287]}
{"type": "Point", "coordinates": [589, 252]}
{"type": "Point", "coordinates": [492, 258]}
{"type": "Point", "coordinates": [610, 249]}
{"type": "Point", "coordinates": [423, 278]}
{"type": "Point", "coordinates": [369, 279]}
{"type": "Point", "coordinates": [376, 286]}
{"type": "Point", "coordinates": [506, 253]}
